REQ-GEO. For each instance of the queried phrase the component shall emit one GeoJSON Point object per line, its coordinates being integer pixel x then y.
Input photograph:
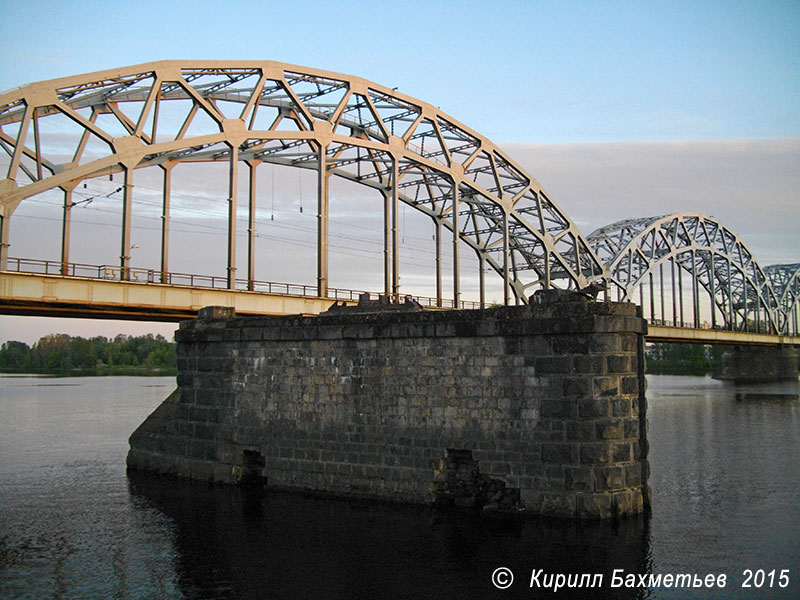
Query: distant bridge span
{"type": "Point", "coordinates": [249, 113]}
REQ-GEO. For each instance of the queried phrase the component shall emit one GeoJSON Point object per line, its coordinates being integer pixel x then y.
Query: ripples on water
{"type": "Point", "coordinates": [725, 475]}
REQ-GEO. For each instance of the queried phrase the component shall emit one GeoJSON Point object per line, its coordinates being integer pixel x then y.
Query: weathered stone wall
{"type": "Point", "coordinates": [548, 397]}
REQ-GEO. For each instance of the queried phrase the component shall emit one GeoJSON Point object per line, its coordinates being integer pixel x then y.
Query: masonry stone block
{"type": "Point", "coordinates": [630, 385]}
{"type": "Point", "coordinates": [605, 386]}
{"type": "Point", "coordinates": [622, 453]}
{"type": "Point", "coordinates": [593, 408]}
{"type": "Point", "coordinates": [561, 454]}
{"type": "Point", "coordinates": [589, 363]}
{"type": "Point", "coordinates": [633, 475]}
{"type": "Point", "coordinates": [605, 342]}
{"type": "Point", "coordinates": [548, 365]}
{"type": "Point", "coordinates": [597, 505]}
{"type": "Point", "coordinates": [580, 431]}
{"type": "Point", "coordinates": [579, 479]}
{"type": "Point", "coordinates": [576, 386]}
{"type": "Point", "coordinates": [618, 363]}
{"type": "Point", "coordinates": [621, 407]}
{"type": "Point", "coordinates": [612, 429]}
{"type": "Point", "coordinates": [595, 453]}
{"type": "Point", "coordinates": [609, 478]}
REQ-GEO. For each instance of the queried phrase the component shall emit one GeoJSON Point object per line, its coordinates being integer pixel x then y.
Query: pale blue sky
{"type": "Point", "coordinates": [515, 71]}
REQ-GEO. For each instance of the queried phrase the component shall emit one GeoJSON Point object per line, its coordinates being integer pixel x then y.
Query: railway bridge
{"type": "Point", "coordinates": [195, 140]}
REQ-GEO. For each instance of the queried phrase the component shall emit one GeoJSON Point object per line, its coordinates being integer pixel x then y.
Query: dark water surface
{"type": "Point", "coordinates": [725, 476]}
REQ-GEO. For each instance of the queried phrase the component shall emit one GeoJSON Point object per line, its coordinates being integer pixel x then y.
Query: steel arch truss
{"type": "Point", "coordinates": [164, 113]}
{"type": "Point", "coordinates": [634, 251]}
{"type": "Point", "coordinates": [785, 280]}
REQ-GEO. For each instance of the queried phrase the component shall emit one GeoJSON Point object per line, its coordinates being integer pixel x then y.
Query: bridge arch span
{"type": "Point", "coordinates": [785, 281]}
{"type": "Point", "coordinates": [637, 252]}
{"type": "Point", "coordinates": [252, 112]}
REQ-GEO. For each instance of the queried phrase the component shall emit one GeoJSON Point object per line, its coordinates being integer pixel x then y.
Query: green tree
{"type": "Point", "coordinates": [15, 357]}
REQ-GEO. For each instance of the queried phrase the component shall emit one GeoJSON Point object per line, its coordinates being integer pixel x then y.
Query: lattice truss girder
{"type": "Point", "coordinates": [60, 132]}
{"type": "Point", "coordinates": [785, 280]}
{"type": "Point", "coordinates": [700, 246]}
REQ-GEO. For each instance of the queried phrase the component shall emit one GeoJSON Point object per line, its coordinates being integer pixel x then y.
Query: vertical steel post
{"type": "Point", "coordinates": [672, 282]}
{"type": "Point", "coordinates": [652, 299]}
{"type": "Point", "coordinates": [711, 293]}
{"type": "Point", "coordinates": [757, 312]}
{"type": "Point", "coordinates": [680, 294]}
{"type": "Point", "coordinates": [65, 229]}
{"type": "Point", "coordinates": [547, 274]}
{"type": "Point", "coordinates": [661, 292]}
{"type": "Point", "coordinates": [482, 279]}
{"type": "Point", "coordinates": [514, 270]}
{"type": "Point", "coordinates": [322, 222]}
{"type": "Point", "coordinates": [251, 227]}
{"type": "Point", "coordinates": [233, 172]}
{"type": "Point", "coordinates": [731, 313]}
{"type": "Point", "coordinates": [166, 191]}
{"type": "Point", "coordinates": [127, 202]}
{"type": "Point", "coordinates": [506, 282]}
{"type": "Point", "coordinates": [4, 225]}
{"type": "Point", "coordinates": [387, 244]}
{"type": "Point", "coordinates": [641, 297]}
{"type": "Point", "coordinates": [437, 221]}
{"type": "Point", "coordinates": [746, 308]}
{"type": "Point", "coordinates": [695, 299]}
{"type": "Point", "coordinates": [456, 266]}
{"type": "Point", "coordinates": [395, 231]}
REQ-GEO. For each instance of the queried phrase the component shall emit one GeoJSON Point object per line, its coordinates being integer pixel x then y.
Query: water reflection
{"type": "Point", "coordinates": [785, 391]}
{"type": "Point", "coordinates": [233, 543]}
{"type": "Point", "coordinates": [725, 475]}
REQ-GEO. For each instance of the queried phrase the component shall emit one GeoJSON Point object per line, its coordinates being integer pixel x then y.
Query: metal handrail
{"type": "Point", "coordinates": [141, 275]}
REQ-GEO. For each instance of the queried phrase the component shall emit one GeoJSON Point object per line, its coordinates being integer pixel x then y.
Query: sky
{"type": "Point", "coordinates": [619, 109]}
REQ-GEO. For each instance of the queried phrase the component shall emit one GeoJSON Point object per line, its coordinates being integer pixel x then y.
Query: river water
{"type": "Point", "coordinates": [725, 465]}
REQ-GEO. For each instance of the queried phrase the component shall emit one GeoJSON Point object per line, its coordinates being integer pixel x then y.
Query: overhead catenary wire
{"type": "Point", "coordinates": [283, 225]}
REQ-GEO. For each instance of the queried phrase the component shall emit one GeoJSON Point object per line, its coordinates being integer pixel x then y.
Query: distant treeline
{"type": "Point", "coordinates": [684, 359]}
{"type": "Point", "coordinates": [63, 354]}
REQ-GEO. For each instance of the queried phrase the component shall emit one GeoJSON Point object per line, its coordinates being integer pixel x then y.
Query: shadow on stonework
{"type": "Point", "coordinates": [232, 542]}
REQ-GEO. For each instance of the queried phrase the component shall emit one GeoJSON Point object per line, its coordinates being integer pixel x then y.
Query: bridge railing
{"type": "Point", "coordinates": [749, 327]}
{"type": "Point", "coordinates": [140, 275]}
{"type": "Point", "coordinates": [445, 303]}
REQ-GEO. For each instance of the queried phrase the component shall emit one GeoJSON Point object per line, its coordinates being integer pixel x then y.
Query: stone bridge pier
{"type": "Point", "coordinates": [759, 364]}
{"type": "Point", "coordinates": [537, 409]}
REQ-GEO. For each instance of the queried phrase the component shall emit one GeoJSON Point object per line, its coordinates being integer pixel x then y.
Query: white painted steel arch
{"type": "Point", "coordinates": [254, 112]}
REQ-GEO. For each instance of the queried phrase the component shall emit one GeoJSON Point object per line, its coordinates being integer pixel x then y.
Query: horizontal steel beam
{"type": "Point", "coordinates": [657, 333]}
{"type": "Point", "coordinates": [56, 296]}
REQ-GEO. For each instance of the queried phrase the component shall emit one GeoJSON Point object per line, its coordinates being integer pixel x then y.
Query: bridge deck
{"type": "Point", "coordinates": [38, 294]}
{"type": "Point", "coordinates": [58, 296]}
{"type": "Point", "coordinates": [660, 333]}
